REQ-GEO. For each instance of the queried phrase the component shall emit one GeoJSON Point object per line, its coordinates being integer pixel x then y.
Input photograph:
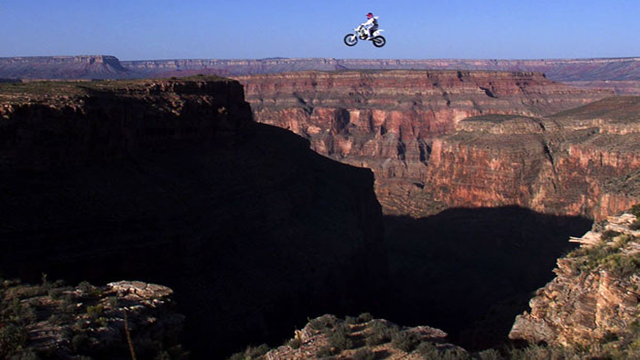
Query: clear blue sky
{"type": "Point", "coordinates": [231, 29]}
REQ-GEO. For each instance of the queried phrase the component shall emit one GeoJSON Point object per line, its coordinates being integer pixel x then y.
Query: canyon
{"type": "Point", "coordinates": [447, 139]}
{"type": "Point", "coordinates": [482, 176]}
{"type": "Point", "coordinates": [171, 182]}
{"type": "Point", "coordinates": [271, 198]}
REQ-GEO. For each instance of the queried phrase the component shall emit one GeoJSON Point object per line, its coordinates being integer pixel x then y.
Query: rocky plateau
{"type": "Point", "coordinates": [621, 75]}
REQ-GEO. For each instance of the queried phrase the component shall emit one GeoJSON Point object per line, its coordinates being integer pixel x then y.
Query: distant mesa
{"type": "Point", "coordinates": [619, 74]}
{"type": "Point", "coordinates": [63, 67]}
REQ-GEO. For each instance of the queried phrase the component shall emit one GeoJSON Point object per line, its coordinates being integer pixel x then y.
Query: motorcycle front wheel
{"type": "Point", "coordinates": [379, 41]}
{"type": "Point", "coordinates": [350, 39]}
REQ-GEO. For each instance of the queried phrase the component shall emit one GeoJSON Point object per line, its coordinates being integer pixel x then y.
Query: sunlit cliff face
{"type": "Point", "coordinates": [440, 139]}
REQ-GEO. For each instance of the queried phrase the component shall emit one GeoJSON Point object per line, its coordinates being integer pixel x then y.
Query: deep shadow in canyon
{"type": "Point", "coordinates": [466, 271]}
{"type": "Point", "coordinates": [252, 238]}
{"type": "Point", "coordinates": [471, 271]}
{"type": "Point", "coordinates": [171, 182]}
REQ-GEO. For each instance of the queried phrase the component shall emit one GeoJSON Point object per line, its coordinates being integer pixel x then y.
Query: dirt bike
{"type": "Point", "coordinates": [363, 33]}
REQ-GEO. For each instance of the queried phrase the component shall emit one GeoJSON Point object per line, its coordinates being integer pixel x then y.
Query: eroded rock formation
{"type": "Point", "coordinates": [583, 162]}
{"type": "Point", "coordinates": [172, 182]}
{"type": "Point", "coordinates": [439, 139]}
{"type": "Point", "coordinates": [593, 301]}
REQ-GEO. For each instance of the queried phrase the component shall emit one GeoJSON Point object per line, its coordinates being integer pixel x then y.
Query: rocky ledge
{"type": "Point", "coordinates": [359, 337]}
{"type": "Point", "coordinates": [52, 320]}
{"type": "Point", "coordinates": [593, 301]}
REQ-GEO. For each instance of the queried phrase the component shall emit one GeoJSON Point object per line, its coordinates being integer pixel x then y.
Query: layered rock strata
{"type": "Point", "coordinates": [593, 301]}
{"type": "Point", "coordinates": [172, 182]}
{"type": "Point", "coordinates": [583, 162]}
{"type": "Point", "coordinates": [439, 139]}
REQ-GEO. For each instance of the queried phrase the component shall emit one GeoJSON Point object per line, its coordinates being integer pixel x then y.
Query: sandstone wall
{"type": "Point", "coordinates": [440, 139]}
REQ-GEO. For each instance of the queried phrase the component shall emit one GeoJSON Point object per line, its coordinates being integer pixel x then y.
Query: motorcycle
{"type": "Point", "coordinates": [363, 33]}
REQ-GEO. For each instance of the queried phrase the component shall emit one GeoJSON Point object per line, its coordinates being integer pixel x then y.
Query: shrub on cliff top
{"type": "Point", "coordinates": [364, 318]}
{"type": "Point", "coordinates": [405, 341]}
{"type": "Point", "coordinates": [364, 354]}
{"type": "Point", "coordinates": [456, 354]}
{"type": "Point", "coordinates": [251, 353]}
{"type": "Point", "coordinates": [622, 264]}
{"type": "Point", "coordinates": [323, 323]}
{"type": "Point", "coordinates": [95, 312]}
{"type": "Point", "coordinates": [339, 338]}
{"type": "Point", "coordinates": [324, 352]}
{"type": "Point", "coordinates": [294, 343]}
{"type": "Point", "coordinates": [490, 354]}
{"type": "Point", "coordinates": [609, 234]}
{"type": "Point", "coordinates": [380, 333]}
{"type": "Point", "coordinates": [12, 339]}
{"type": "Point", "coordinates": [635, 210]}
{"type": "Point", "coordinates": [428, 350]}
{"type": "Point", "coordinates": [534, 352]}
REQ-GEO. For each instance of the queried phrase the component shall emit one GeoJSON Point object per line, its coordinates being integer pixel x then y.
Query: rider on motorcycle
{"type": "Point", "coordinates": [372, 23]}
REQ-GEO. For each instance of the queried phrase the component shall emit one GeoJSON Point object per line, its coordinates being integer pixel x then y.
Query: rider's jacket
{"type": "Point", "coordinates": [371, 22]}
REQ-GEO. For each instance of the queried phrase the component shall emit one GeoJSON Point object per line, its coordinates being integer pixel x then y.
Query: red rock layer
{"type": "Point", "coordinates": [409, 127]}
{"type": "Point", "coordinates": [559, 168]}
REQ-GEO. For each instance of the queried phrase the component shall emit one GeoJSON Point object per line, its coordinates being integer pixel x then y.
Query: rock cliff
{"type": "Point", "coordinates": [171, 182]}
{"type": "Point", "coordinates": [593, 301]}
{"type": "Point", "coordinates": [439, 139]}
{"type": "Point", "coordinates": [583, 162]}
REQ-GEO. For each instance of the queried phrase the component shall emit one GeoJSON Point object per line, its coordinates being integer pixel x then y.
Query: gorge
{"type": "Point", "coordinates": [442, 139]}
{"type": "Point", "coordinates": [499, 144]}
{"type": "Point", "coordinates": [481, 177]}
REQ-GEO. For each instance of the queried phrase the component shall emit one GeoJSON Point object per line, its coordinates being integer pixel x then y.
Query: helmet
{"type": "Point", "coordinates": [369, 15]}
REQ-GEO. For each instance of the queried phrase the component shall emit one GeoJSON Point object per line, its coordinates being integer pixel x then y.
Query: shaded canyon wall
{"type": "Point", "coordinates": [172, 182]}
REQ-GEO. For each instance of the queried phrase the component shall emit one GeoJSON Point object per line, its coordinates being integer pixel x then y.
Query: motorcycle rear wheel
{"type": "Point", "coordinates": [379, 41]}
{"type": "Point", "coordinates": [350, 40]}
